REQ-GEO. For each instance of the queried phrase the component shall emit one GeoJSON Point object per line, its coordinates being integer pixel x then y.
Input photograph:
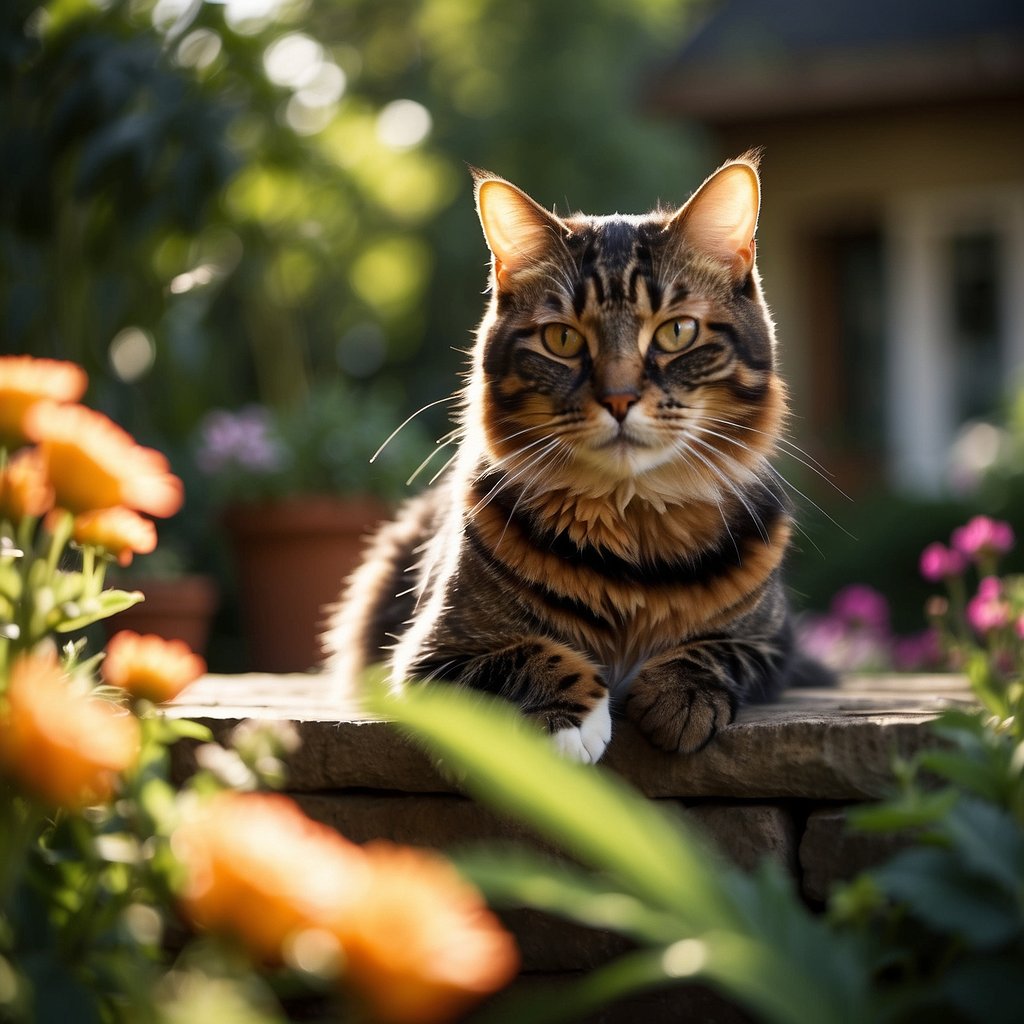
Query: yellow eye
{"type": "Point", "coordinates": [562, 340]}
{"type": "Point", "coordinates": [675, 335]}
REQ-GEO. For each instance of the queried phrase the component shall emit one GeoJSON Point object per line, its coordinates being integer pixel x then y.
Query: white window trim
{"type": "Point", "coordinates": [921, 420]}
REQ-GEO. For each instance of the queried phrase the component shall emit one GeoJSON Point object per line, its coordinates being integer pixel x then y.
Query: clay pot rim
{"type": "Point", "coordinates": [304, 513]}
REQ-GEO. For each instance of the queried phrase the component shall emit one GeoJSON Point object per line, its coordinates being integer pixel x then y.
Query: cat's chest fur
{"type": "Point", "coordinates": [627, 583]}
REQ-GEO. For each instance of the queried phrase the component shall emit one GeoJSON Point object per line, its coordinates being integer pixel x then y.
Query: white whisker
{"type": "Point", "coordinates": [401, 426]}
{"type": "Point", "coordinates": [718, 474]}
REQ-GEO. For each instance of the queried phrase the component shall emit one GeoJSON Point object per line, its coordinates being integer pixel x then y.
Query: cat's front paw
{"type": "Point", "coordinates": [676, 714]}
{"type": "Point", "coordinates": [586, 742]}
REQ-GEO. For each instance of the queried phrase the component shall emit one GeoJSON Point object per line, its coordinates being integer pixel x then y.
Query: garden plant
{"type": "Point", "coordinates": [936, 933]}
{"type": "Point", "coordinates": [123, 897]}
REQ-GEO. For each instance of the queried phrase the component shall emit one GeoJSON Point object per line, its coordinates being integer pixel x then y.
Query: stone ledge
{"type": "Point", "coordinates": [813, 744]}
{"type": "Point", "coordinates": [773, 784]}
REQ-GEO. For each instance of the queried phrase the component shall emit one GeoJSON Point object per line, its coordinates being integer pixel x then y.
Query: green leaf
{"type": "Point", "coordinates": [986, 685]}
{"type": "Point", "coordinates": [518, 877]}
{"type": "Point", "coordinates": [910, 810]}
{"type": "Point", "coordinates": [985, 777]}
{"type": "Point", "coordinates": [941, 892]}
{"type": "Point", "coordinates": [991, 843]}
{"type": "Point", "coordinates": [753, 936]}
{"type": "Point", "coordinates": [751, 972]}
{"type": "Point", "coordinates": [172, 729]}
{"type": "Point", "coordinates": [90, 610]}
{"type": "Point", "coordinates": [592, 814]}
{"type": "Point", "coordinates": [546, 1004]}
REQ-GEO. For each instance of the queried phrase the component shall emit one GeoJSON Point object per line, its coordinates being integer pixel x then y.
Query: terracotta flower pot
{"type": "Point", "coordinates": [176, 608]}
{"type": "Point", "coordinates": [291, 557]}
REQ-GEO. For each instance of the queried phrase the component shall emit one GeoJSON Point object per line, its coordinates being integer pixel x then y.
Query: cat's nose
{"type": "Point", "coordinates": [618, 403]}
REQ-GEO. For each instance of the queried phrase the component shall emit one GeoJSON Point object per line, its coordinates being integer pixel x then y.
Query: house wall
{"type": "Point", "coordinates": [851, 170]}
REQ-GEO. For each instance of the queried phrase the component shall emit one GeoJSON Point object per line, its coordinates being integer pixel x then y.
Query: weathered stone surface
{"type": "Point", "coordinates": [747, 833]}
{"type": "Point", "coordinates": [831, 851]}
{"type": "Point", "coordinates": [441, 821]}
{"type": "Point", "coordinates": [824, 744]}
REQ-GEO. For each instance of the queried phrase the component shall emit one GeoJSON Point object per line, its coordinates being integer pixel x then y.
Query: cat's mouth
{"type": "Point", "coordinates": [626, 454]}
{"type": "Point", "coordinates": [623, 440]}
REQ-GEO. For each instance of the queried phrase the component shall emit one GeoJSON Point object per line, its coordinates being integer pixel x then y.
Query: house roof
{"type": "Point", "coordinates": [756, 59]}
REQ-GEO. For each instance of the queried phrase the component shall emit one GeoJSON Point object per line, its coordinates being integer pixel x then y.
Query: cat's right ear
{"type": "Point", "coordinates": [518, 230]}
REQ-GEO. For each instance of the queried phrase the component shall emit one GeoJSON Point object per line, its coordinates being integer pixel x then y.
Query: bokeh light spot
{"type": "Point", "coordinates": [403, 124]}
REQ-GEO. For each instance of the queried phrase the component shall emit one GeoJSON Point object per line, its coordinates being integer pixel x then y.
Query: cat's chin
{"type": "Point", "coordinates": [622, 459]}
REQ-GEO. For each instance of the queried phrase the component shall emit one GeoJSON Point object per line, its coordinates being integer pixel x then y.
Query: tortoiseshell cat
{"type": "Point", "coordinates": [611, 530]}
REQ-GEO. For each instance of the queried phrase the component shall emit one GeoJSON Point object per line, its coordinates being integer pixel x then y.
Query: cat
{"type": "Point", "coordinates": [612, 530]}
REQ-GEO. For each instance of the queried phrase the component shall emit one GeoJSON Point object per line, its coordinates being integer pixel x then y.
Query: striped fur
{"type": "Point", "coordinates": [612, 529]}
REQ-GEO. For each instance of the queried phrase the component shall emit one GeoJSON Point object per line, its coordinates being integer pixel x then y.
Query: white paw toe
{"type": "Point", "coordinates": [587, 742]}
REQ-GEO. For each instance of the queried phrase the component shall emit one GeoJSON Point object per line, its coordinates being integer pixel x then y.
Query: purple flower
{"type": "Point", "coordinates": [863, 606]}
{"type": "Point", "coordinates": [987, 610]}
{"type": "Point", "coordinates": [919, 651]}
{"type": "Point", "coordinates": [841, 647]}
{"type": "Point", "coordinates": [983, 537]}
{"type": "Point", "coordinates": [241, 440]}
{"type": "Point", "coordinates": [941, 563]}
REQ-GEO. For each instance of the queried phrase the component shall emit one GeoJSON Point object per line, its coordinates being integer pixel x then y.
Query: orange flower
{"type": "Point", "coordinates": [420, 944]}
{"type": "Point", "coordinates": [24, 488]}
{"type": "Point", "coordinates": [258, 870]}
{"type": "Point", "coordinates": [120, 532]}
{"type": "Point", "coordinates": [63, 745]}
{"type": "Point", "coordinates": [24, 381]}
{"type": "Point", "coordinates": [150, 666]}
{"type": "Point", "coordinates": [93, 463]}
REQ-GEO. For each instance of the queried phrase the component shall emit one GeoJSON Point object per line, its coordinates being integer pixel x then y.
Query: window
{"type": "Point", "coordinates": [955, 321]}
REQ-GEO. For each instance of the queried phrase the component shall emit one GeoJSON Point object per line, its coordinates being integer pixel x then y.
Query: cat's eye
{"type": "Point", "coordinates": [562, 340]}
{"type": "Point", "coordinates": [675, 335]}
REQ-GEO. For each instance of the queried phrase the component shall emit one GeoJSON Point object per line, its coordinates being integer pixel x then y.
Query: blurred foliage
{"type": "Point", "coordinates": [876, 538]}
{"type": "Point", "coordinates": [936, 933]}
{"type": "Point", "coordinates": [209, 205]}
{"type": "Point", "coordinates": [216, 203]}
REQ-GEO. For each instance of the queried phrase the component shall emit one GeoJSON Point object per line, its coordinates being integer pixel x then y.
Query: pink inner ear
{"type": "Point", "coordinates": [721, 218]}
{"type": "Point", "coordinates": [516, 229]}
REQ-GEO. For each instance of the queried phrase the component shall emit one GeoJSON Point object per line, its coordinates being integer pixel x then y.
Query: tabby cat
{"type": "Point", "coordinates": [611, 531]}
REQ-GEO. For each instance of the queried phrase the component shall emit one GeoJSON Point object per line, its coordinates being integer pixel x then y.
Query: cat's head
{"type": "Point", "coordinates": [628, 350]}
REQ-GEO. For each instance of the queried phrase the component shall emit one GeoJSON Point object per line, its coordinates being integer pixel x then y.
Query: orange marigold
{"type": "Point", "coordinates": [60, 743]}
{"type": "Point", "coordinates": [150, 666]}
{"type": "Point", "coordinates": [24, 487]}
{"type": "Point", "coordinates": [94, 464]}
{"type": "Point", "coordinates": [258, 870]}
{"type": "Point", "coordinates": [420, 944]}
{"type": "Point", "coordinates": [24, 381]}
{"type": "Point", "coordinates": [120, 532]}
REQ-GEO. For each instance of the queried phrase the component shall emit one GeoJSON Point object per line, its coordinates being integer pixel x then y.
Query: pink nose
{"type": "Point", "coordinates": [619, 403]}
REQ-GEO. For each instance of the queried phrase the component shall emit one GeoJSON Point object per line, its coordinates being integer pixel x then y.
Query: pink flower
{"type": "Point", "coordinates": [839, 645]}
{"type": "Point", "coordinates": [987, 611]}
{"type": "Point", "coordinates": [919, 651]}
{"type": "Point", "coordinates": [941, 563]}
{"type": "Point", "coordinates": [982, 536]}
{"type": "Point", "coordinates": [1020, 626]}
{"type": "Point", "coordinates": [863, 606]}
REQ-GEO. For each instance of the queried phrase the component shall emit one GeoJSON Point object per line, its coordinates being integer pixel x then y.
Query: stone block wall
{"type": "Point", "coordinates": [776, 783]}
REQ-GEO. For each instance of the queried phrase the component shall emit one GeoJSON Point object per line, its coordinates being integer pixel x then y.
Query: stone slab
{"type": "Point", "coordinates": [832, 852]}
{"type": "Point", "coordinates": [747, 833]}
{"type": "Point", "coordinates": [822, 744]}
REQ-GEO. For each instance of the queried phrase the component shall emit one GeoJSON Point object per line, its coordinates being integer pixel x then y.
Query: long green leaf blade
{"type": "Point", "coordinates": [590, 813]}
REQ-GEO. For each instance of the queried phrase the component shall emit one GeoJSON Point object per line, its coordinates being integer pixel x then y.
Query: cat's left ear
{"type": "Point", "coordinates": [518, 230]}
{"type": "Point", "coordinates": [720, 218]}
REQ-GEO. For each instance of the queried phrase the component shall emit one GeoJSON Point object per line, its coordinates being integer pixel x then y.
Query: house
{"type": "Point", "coordinates": [892, 232]}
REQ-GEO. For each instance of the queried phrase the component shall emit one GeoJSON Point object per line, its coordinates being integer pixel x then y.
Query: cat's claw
{"type": "Point", "coordinates": [586, 743]}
